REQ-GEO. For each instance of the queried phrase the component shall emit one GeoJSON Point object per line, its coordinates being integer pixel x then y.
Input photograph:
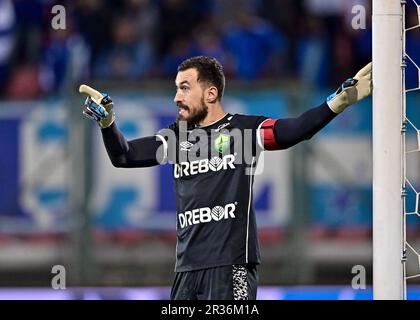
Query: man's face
{"type": "Point", "coordinates": [189, 97]}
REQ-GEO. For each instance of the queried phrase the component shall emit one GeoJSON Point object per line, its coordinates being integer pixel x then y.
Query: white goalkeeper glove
{"type": "Point", "coordinates": [98, 106]}
{"type": "Point", "coordinates": [352, 90]}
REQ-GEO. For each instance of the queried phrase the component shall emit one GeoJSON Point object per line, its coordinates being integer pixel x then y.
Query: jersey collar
{"type": "Point", "coordinates": [217, 122]}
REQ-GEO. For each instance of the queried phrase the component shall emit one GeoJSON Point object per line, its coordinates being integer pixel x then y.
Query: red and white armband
{"type": "Point", "coordinates": [266, 135]}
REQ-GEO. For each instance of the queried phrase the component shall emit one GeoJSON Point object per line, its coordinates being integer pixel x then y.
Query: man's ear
{"type": "Point", "coordinates": [211, 94]}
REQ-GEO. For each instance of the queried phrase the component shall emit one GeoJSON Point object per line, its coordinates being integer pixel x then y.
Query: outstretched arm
{"type": "Point", "coordinates": [285, 133]}
{"type": "Point", "coordinates": [142, 152]}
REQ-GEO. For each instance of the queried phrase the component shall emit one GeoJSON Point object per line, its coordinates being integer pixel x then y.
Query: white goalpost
{"type": "Point", "coordinates": [388, 144]}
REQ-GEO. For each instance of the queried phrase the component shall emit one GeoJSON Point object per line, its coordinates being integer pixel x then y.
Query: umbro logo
{"type": "Point", "coordinates": [186, 145]}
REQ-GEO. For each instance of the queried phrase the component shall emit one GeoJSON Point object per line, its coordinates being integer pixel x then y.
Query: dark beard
{"type": "Point", "coordinates": [196, 117]}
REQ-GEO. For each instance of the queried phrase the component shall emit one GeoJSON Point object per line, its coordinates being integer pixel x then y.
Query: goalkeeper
{"type": "Point", "coordinates": [217, 251]}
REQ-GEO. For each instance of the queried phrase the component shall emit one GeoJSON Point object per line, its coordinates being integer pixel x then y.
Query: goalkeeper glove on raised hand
{"type": "Point", "coordinates": [98, 106]}
{"type": "Point", "coordinates": [352, 90]}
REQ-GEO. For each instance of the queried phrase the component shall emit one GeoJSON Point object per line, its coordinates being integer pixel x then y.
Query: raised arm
{"type": "Point", "coordinates": [143, 152]}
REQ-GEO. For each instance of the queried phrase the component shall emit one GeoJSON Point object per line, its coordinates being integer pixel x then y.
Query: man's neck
{"type": "Point", "coordinates": [213, 116]}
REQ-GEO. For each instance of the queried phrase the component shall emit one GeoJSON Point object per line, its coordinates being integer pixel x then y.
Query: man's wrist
{"type": "Point", "coordinates": [337, 105]}
{"type": "Point", "coordinates": [108, 121]}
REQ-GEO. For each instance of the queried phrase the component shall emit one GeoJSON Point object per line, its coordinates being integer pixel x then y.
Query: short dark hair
{"type": "Point", "coordinates": [209, 71]}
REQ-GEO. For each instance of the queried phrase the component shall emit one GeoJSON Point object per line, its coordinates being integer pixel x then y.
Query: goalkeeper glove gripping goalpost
{"type": "Point", "coordinates": [98, 106]}
{"type": "Point", "coordinates": [352, 90]}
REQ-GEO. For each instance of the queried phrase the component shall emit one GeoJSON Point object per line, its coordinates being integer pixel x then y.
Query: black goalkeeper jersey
{"type": "Point", "coordinates": [216, 223]}
{"type": "Point", "coordinates": [213, 170]}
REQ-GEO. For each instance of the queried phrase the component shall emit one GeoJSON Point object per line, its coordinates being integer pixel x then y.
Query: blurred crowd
{"type": "Point", "coordinates": [311, 41]}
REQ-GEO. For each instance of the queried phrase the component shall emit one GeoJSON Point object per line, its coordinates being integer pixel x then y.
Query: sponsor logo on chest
{"type": "Point", "coordinates": [191, 168]}
{"type": "Point", "coordinates": [206, 214]}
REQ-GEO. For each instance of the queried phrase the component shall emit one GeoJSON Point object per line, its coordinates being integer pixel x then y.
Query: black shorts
{"type": "Point", "coordinates": [232, 282]}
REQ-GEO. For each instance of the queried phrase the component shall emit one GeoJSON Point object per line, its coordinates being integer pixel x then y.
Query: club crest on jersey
{"type": "Point", "coordinates": [206, 214]}
{"type": "Point", "coordinates": [222, 142]}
